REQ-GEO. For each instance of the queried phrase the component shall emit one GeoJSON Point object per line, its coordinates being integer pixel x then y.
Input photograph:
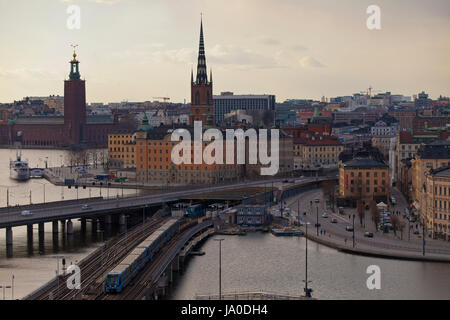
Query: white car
{"type": "Point", "coordinates": [26, 213]}
{"type": "Point", "coordinates": [86, 207]}
{"type": "Point", "coordinates": [325, 215]}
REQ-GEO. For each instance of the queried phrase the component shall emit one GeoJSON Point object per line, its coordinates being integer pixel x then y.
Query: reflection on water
{"type": "Point", "coordinates": [264, 262]}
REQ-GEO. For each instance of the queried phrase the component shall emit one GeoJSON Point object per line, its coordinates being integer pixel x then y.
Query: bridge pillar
{"type": "Point", "coordinates": [29, 233]}
{"type": "Point", "coordinates": [41, 236]}
{"type": "Point", "coordinates": [176, 263]}
{"type": "Point", "coordinates": [122, 220]}
{"type": "Point", "coordinates": [169, 274]}
{"type": "Point", "coordinates": [9, 242]}
{"type": "Point", "coordinates": [55, 227]}
{"type": "Point", "coordinates": [108, 219]}
{"type": "Point", "coordinates": [83, 225]}
{"type": "Point", "coordinates": [94, 225]}
{"type": "Point", "coordinates": [69, 227]}
{"type": "Point", "coordinates": [63, 226]}
{"type": "Point", "coordinates": [41, 231]}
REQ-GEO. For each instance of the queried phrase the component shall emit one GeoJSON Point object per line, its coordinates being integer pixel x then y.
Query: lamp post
{"type": "Point", "coordinates": [220, 267]}
{"type": "Point", "coordinates": [12, 287]}
{"type": "Point", "coordinates": [307, 291]}
{"type": "Point", "coordinates": [353, 228]}
{"type": "Point", "coordinates": [317, 201]}
{"type": "Point", "coordinates": [423, 237]}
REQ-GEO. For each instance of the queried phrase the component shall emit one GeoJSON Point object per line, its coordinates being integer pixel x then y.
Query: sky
{"type": "Point", "coordinates": [135, 50]}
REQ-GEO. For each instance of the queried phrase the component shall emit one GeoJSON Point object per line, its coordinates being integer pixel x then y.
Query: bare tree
{"type": "Point", "coordinates": [375, 214]}
{"type": "Point", "coordinates": [360, 211]}
{"type": "Point", "coordinates": [329, 192]}
{"type": "Point", "coordinates": [395, 221]}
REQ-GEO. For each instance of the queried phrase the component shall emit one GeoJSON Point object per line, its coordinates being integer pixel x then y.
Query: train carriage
{"type": "Point", "coordinates": [128, 268]}
{"type": "Point", "coordinates": [118, 278]}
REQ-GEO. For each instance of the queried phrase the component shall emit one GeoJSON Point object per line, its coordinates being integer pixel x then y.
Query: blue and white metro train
{"type": "Point", "coordinates": [118, 278]}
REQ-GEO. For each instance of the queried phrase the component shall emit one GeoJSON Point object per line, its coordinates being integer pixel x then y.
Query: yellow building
{"type": "Point", "coordinates": [364, 179]}
{"type": "Point", "coordinates": [437, 199]}
{"type": "Point", "coordinates": [316, 153]}
{"type": "Point", "coordinates": [121, 150]}
{"type": "Point", "coordinates": [431, 156]}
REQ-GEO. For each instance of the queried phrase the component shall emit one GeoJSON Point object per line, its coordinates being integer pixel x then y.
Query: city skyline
{"type": "Point", "coordinates": [332, 52]}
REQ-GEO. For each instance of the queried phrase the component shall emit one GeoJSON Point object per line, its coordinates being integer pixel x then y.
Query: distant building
{"type": "Point", "coordinates": [228, 102]}
{"type": "Point", "coordinates": [252, 215]}
{"type": "Point", "coordinates": [436, 204]}
{"type": "Point", "coordinates": [363, 179]}
{"type": "Point", "coordinates": [428, 157]}
{"type": "Point", "coordinates": [422, 101]}
{"type": "Point", "coordinates": [75, 129]}
{"type": "Point", "coordinates": [316, 153]}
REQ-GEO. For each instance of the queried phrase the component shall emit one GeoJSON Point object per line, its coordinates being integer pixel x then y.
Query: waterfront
{"type": "Point", "coordinates": [31, 266]}
{"type": "Point", "coordinates": [261, 261]}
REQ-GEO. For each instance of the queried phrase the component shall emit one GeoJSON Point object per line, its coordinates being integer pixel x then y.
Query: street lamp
{"type": "Point", "coordinates": [220, 267]}
{"type": "Point", "coordinates": [307, 291]}
{"type": "Point", "coordinates": [317, 201]}
{"type": "Point", "coordinates": [353, 228]}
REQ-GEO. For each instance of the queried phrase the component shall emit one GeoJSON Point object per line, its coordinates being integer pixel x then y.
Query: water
{"type": "Point", "coordinates": [261, 261]}
{"type": "Point", "coordinates": [33, 268]}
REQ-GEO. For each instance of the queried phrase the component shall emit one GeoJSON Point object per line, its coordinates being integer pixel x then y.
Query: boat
{"type": "Point", "coordinates": [18, 169]}
{"type": "Point", "coordinates": [288, 231]}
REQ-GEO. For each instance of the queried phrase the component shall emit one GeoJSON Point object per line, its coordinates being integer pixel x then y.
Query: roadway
{"type": "Point", "coordinates": [336, 234]}
{"type": "Point", "coordinates": [72, 211]}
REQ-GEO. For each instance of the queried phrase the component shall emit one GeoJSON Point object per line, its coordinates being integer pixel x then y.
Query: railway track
{"type": "Point", "coordinates": [137, 288]}
{"type": "Point", "coordinates": [95, 266]}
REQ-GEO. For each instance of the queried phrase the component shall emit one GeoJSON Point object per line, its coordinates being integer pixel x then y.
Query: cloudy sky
{"type": "Point", "coordinates": [139, 49]}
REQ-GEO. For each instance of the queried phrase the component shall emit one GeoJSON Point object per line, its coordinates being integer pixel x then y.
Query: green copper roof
{"type": "Point", "coordinates": [144, 126]}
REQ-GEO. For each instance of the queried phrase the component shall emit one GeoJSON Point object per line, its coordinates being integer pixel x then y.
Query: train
{"type": "Point", "coordinates": [118, 278]}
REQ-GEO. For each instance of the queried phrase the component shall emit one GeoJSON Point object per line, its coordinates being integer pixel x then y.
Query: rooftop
{"type": "Point", "coordinates": [365, 163]}
{"type": "Point", "coordinates": [442, 173]}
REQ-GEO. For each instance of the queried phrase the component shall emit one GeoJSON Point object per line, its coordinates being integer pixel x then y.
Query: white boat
{"type": "Point", "coordinates": [18, 169]}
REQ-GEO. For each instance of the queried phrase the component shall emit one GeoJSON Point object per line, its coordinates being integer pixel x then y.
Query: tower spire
{"type": "Point", "coordinates": [202, 76]}
{"type": "Point", "coordinates": [74, 70]}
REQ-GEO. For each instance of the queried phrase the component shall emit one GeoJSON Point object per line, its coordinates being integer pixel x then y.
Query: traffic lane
{"type": "Point", "coordinates": [105, 204]}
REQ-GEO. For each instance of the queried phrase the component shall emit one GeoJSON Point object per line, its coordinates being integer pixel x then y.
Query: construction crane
{"type": "Point", "coordinates": [165, 99]}
{"type": "Point", "coordinates": [369, 91]}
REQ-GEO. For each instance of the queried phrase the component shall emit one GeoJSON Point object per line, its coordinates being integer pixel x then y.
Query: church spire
{"type": "Point", "coordinates": [202, 77]}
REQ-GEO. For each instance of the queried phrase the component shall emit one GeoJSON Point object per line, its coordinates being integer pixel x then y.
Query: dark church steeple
{"type": "Point", "coordinates": [202, 76]}
{"type": "Point", "coordinates": [202, 108]}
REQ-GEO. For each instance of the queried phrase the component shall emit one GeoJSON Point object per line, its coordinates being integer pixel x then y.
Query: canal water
{"type": "Point", "coordinates": [33, 267]}
{"type": "Point", "coordinates": [261, 261]}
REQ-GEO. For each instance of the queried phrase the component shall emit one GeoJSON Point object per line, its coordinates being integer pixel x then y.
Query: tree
{"type": "Point", "coordinates": [329, 191]}
{"type": "Point", "coordinates": [395, 221]}
{"type": "Point", "coordinates": [374, 214]}
{"type": "Point", "coordinates": [360, 211]}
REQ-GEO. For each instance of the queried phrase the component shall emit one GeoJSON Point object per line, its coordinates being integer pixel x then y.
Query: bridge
{"type": "Point", "coordinates": [104, 210]}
